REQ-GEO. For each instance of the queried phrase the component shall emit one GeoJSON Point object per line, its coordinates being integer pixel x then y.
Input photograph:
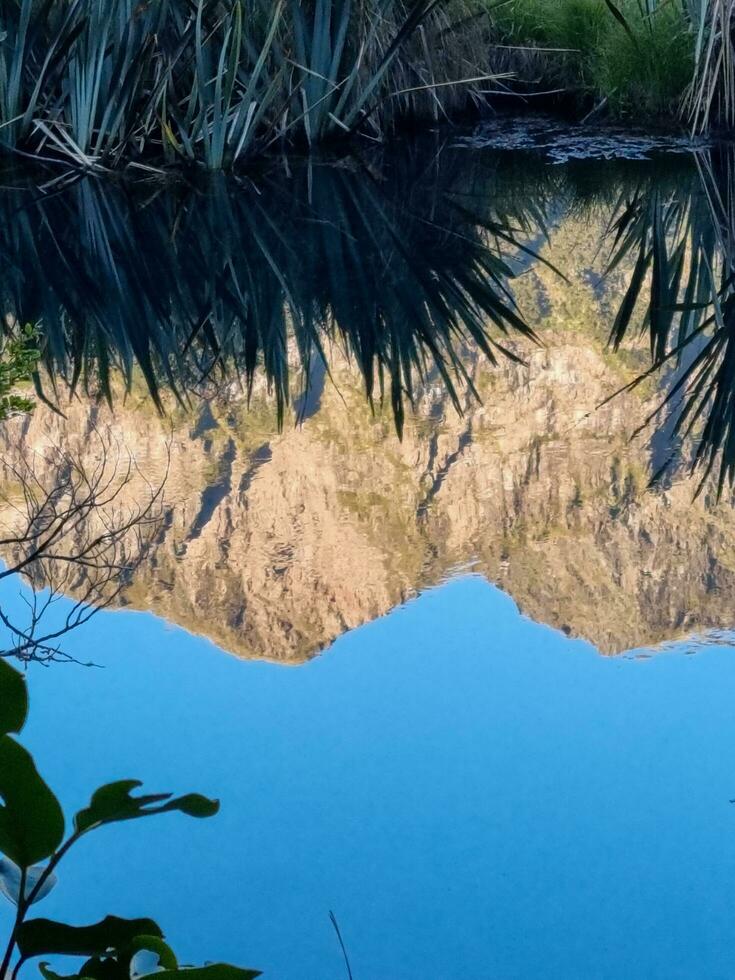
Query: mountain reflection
{"type": "Point", "coordinates": [539, 333]}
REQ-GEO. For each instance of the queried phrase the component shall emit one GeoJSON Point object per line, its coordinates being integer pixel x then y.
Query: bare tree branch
{"type": "Point", "coordinates": [77, 530]}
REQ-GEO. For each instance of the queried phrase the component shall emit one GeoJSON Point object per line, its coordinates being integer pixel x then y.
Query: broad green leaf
{"type": "Point", "coordinates": [39, 937]}
{"type": "Point", "coordinates": [13, 699]}
{"type": "Point", "coordinates": [48, 974]}
{"type": "Point", "coordinates": [215, 971]}
{"type": "Point", "coordinates": [10, 876]}
{"type": "Point", "coordinates": [106, 968]}
{"type": "Point", "coordinates": [121, 968]}
{"type": "Point", "coordinates": [144, 963]}
{"type": "Point", "coordinates": [150, 954]}
{"type": "Point", "coordinates": [114, 802]}
{"type": "Point", "coordinates": [31, 819]}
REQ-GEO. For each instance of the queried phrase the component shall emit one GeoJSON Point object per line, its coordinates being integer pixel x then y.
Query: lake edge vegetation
{"type": "Point", "coordinates": [160, 85]}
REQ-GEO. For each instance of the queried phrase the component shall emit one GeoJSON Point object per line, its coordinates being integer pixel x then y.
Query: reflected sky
{"type": "Point", "coordinates": [473, 794]}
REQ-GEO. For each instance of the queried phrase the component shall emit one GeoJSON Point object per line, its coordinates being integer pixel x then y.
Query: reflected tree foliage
{"type": "Point", "coordinates": [403, 259]}
{"type": "Point", "coordinates": [389, 258]}
{"type": "Point", "coordinates": [681, 243]}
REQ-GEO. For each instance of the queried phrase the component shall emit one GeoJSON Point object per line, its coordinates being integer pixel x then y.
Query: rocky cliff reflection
{"type": "Point", "coordinates": [278, 539]}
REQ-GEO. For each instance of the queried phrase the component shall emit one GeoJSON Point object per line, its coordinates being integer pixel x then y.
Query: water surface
{"type": "Point", "coordinates": [474, 795]}
{"type": "Point", "coordinates": [438, 595]}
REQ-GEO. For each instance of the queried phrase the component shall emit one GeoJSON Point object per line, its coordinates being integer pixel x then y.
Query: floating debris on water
{"type": "Point", "coordinates": [561, 142]}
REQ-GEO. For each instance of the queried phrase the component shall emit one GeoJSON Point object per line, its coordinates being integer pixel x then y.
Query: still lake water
{"type": "Point", "coordinates": [472, 794]}
{"type": "Point", "coordinates": [470, 689]}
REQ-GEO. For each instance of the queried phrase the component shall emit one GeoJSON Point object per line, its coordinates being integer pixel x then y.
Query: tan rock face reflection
{"type": "Point", "coordinates": [276, 544]}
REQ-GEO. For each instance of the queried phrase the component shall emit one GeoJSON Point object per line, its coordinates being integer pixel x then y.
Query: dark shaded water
{"type": "Point", "coordinates": [472, 787]}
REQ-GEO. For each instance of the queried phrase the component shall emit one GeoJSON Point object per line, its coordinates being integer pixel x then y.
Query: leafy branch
{"type": "Point", "coordinates": [34, 842]}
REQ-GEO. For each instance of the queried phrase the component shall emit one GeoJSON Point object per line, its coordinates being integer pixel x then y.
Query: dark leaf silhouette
{"type": "Point", "coordinates": [13, 700]}
{"type": "Point", "coordinates": [114, 803]}
{"type": "Point", "coordinates": [32, 830]}
{"type": "Point", "coordinates": [31, 821]}
{"type": "Point", "coordinates": [41, 937]}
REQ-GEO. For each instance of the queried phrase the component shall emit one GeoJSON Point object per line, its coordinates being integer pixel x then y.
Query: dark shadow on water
{"type": "Point", "coordinates": [392, 260]}
{"type": "Point", "coordinates": [404, 260]}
